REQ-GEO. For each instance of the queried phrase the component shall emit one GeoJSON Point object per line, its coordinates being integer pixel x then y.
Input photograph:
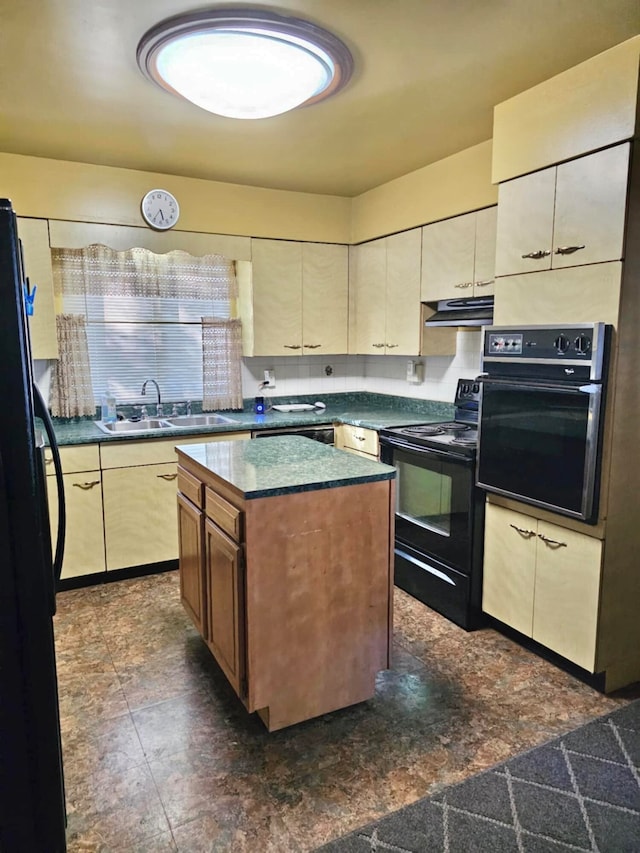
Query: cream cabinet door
{"type": "Point", "coordinates": [84, 540]}
{"type": "Point", "coordinates": [484, 265]}
{"type": "Point", "coordinates": [325, 298]}
{"type": "Point", "coordinates": [402, 327]}
{"type": "Point", "coordinates": [34, 236]}
{"type": "Point", "coordinates": [277, 297]}
{"type": "Point", "coordinates": [590, 207]}
{"type": "Point", "coordinates": [567, 593]}
{"type": "Point", "coordinates": [367, 296]}
{"type": "Point", "coordinates": [524, 234]}
{"type": "Point", "coordinates": [140, 516]}
{"type": "Point", "coordinates": [448, 258]}
{"type": "Point", "coordinates": [509, 567]}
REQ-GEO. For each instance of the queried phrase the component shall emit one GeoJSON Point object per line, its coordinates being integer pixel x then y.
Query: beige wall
{"type": "Point", "coordinates": [457, 184]}
{"type": "Point", "coordinates": [81, 192]}
{"type": "Point", "coordinates": [57, 189]}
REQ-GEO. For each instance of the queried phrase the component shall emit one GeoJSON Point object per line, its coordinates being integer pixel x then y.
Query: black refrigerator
{"type": "Point", "coordinates": [32, 806]}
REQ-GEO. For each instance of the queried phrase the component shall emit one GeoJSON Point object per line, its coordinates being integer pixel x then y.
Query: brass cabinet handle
{"type": "Point", "coordinates": [552, 543]}
{"type": "Point", "coordinates": [359, 437]}
{"type": "Point", "coordinates": [86, 486]}
{"type": "Point", "coordinates": [567, 250]}
{"type": "Point", "coordinates": [48, 461]}
{"type": "Point", "coordinates": [464, 284]}
{"type": "Point", "coordinates": [312, 346]}
{"type": "Point", "coordinates": [540, 253]}
{"type": "Point", "coordinates": [292, 346]}
{"type": "Point", "coordinates": [484, 283]}
{"type": "Point", "coordinates": [167, 476]}
{"type": "Point", "coordinates": [523, 530]}
{"type": "Point", "coordinates": [378, 346]}
{"type": "Point", "coordinates": [392, 346]}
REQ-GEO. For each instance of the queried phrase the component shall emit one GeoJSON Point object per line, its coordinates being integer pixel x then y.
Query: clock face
{"type": "Point", "coordinates": [160, 209]}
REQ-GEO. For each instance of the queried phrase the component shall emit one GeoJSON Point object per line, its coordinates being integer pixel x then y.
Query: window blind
{"type": "Point", "coordinates": [144, 313]}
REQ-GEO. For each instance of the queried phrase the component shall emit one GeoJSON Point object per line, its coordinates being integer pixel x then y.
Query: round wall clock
{"type": "Point", "coordinates": [160, 209]}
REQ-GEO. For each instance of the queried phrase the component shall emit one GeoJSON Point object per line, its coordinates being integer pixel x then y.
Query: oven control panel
{"type": "Point", "coordinates": [506, 343]}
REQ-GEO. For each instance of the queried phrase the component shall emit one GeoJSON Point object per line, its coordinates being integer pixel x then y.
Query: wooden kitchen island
{"type": "Point", "coordinates": [286, 569]}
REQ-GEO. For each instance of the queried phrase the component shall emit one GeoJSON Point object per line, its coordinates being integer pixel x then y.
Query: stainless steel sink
{"type": "Point", "coordinates": [132, 426]}
{"type": "Point", "coordinates": [198, 420]}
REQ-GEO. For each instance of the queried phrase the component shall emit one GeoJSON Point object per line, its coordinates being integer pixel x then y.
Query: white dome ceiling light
{"type": "Point", "coordinates": [244, 63]}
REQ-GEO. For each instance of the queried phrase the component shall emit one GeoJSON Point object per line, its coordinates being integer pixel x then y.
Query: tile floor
{"type": "Point", "coordinates": [160, 755]}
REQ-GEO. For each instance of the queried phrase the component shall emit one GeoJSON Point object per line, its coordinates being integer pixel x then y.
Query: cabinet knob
{"type": "Point", "coordinates": [540, 253]}
{"type": "Point", "coordinates": [523, 531]}
{"type": "Point", "coordinates": [292, 346]}
{"type": "Point", "coordinates": [167, 476]}
{"type": "Point", "coordinates": [90, 485]}
{"type": "Point", "coordinates": [567, 250]}
{"type": "Point", "coordinates": [360, 437]}
{"type": "Point", "coordinates": [552, 543]}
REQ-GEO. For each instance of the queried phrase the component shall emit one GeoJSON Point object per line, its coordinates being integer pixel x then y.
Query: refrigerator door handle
{"type": "Point", "coordinates": [42, 412]}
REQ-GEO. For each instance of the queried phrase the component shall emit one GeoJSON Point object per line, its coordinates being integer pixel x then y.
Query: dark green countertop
{"type": "Point", "coordinates": [373, 411]}
{"type": "Point", "coordinates": [283, 465]}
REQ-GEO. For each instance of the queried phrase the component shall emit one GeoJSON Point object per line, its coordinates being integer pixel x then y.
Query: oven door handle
{"type": "Point", "coordinates": [448, 455]}
{"type": "Point", "coordinates": [554, 387]}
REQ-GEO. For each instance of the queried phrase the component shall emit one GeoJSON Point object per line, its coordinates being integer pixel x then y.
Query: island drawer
{"type": "Point", "coordinates": [190, 486]}
{"type": "Point", "coordinates": [224, 514]}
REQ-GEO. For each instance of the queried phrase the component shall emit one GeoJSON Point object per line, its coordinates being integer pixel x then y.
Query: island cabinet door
{"type": "Point", "coordinates": [225, 604]}
{"type": "Point", "coordinates": [192, 575]}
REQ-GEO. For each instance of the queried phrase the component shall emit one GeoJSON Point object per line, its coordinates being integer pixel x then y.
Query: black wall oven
{"type": "Point", "coordinates": [541, 416]}
{"type": "Point", "coordinates": [439, 514]}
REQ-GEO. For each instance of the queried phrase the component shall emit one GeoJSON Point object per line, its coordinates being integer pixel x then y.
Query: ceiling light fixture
{"type": "Point", "coordinates": [244, 63]}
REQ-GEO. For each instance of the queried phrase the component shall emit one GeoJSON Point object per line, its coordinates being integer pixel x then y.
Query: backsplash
{"type": "Point", "coordinates": [382, 374]}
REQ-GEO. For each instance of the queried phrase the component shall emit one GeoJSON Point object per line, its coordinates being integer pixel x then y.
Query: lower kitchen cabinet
{"type": "Point", "coordinates": [192, 578]}
{"type": "Point", "coordinates": [358, 440]}
{"type": "Point", "coordinates": [140, 523]}
{"type": "Point", "coordinates": [84, 535]}
{"type": "Point", "coordinates": [544, 581]}
{"type": "Point", "coordinates": [84, 539]}
{"type": "Point", "coordinates": [225, 605]}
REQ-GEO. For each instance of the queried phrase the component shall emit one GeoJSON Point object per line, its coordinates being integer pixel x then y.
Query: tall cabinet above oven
{"type": "Point", "coordinates": [566, 158]}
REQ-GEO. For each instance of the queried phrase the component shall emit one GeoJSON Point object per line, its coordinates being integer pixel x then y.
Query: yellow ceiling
{"type": "Point", "coordinates": [427, 74]}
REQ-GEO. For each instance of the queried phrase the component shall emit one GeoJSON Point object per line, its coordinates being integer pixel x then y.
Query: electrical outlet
{"type": "Point", "coordinates": [270, 378]}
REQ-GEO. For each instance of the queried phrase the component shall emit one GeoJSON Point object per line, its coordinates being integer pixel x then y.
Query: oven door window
{"type": "Point", "coordinates": [539, 444]}
{"type": "Point", "coordinates": [433, 505]}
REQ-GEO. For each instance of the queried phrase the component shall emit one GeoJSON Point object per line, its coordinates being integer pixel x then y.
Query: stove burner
{"type": "Point", "coordinates": [454, 426]}
{"type": "Point", "coordinates": [464, 442]}
{"type": "Point", "coordinates": [424, 430]}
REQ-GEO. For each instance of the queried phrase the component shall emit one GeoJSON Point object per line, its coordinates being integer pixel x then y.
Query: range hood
{"type": "Point", "coordinates": [474, 311]}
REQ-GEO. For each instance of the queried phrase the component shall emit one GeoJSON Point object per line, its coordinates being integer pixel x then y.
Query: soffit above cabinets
{"type": "Point", "coordinates": [426, 78]}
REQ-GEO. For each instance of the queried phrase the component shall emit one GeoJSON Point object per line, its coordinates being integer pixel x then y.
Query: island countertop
{"type": "Point", "coordinates": [283, 465]}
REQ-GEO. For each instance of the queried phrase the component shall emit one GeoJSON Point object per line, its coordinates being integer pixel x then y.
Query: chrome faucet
{"type": "Point", "coordinates": [144, 391]}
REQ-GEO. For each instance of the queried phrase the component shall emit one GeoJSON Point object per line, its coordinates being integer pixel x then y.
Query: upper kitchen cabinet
{"type": "Point", "coordinates": [458, 256]}
{"type": "Point", "coordinates": [565, 216]}
{"type": "Point", "coordinates": [385, 295]}
{"type": "Point", "coordinates": [297, 299]}
{"type": "Point", "coordinates": [34, 236]}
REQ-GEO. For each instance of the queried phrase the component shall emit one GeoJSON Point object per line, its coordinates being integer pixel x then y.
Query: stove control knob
{"type": "Point", "coordinates": [561, 343]}
{"type": "Point", "coordinates": [582, 344]}
{"type": "Point", "coordinates": [465, 389]}
{"type": "Point", "coordinates": [476, 388]}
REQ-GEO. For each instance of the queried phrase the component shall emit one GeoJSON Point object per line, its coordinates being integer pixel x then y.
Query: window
{"type": "Point", "coordinates": [145, 315]}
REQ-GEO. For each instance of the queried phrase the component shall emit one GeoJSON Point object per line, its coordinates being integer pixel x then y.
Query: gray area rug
{"type": "Point", "coordinates": [578, 792]}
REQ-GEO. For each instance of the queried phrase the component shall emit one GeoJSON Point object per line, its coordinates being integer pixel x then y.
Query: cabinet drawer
{"type": "Point", "coordinates": [359, 438]}
{"type": "Point", "coordinates": [81, 457]}
{"type": "Point", "coordinates": [225, 515]}
{"type": "Point", "coordinates": [190, 486]}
